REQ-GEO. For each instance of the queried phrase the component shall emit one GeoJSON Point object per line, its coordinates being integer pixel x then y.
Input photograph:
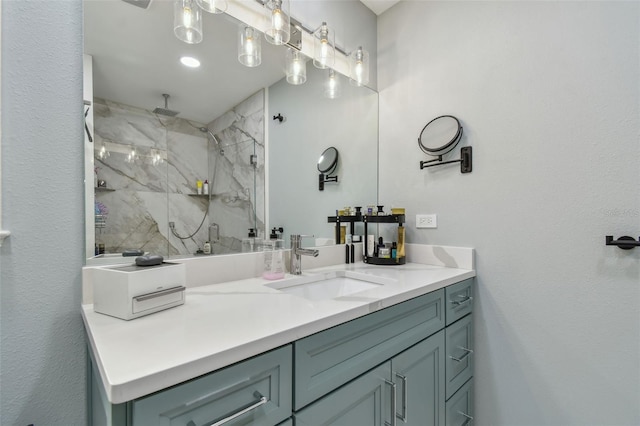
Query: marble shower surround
{"type": "Point", "coordinates": [143, 196]}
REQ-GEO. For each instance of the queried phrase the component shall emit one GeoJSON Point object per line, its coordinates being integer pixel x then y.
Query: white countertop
{"type": "Point", "coordinates": [221, 324]}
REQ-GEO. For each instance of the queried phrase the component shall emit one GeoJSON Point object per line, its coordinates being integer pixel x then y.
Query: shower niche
{"type": "Point", "coordinates": [148, 165]}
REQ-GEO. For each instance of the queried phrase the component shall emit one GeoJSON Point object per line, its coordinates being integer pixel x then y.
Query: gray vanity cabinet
{"type": "Point", "coordinates": [411, 386]}
{"type": "Point", "coordinates": [409, 364]}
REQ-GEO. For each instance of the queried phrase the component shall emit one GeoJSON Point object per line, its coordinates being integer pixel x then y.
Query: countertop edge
{"type": "Point", "coordinates": [118, 393]}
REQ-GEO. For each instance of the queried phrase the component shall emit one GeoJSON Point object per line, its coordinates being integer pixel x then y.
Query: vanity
{"type": "Point", "coordinates": [394, 347]}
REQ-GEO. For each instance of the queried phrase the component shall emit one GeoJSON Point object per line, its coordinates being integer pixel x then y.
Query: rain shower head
{"type": "Point", "coordinates": [166, 111]}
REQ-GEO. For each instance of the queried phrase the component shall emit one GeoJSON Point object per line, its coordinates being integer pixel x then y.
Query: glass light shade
{"type": "Point", "coordinates": [249, 46]}
{"type": "Point", "coordinates": [187, 21]}
{"type": "Point", "coordinates": [213, 6]}
{"type": "Point", "coordinates": [279, 22]}
{"type": "Point", "coordinates": [296, 67]}
{"type": "Point", "coordinates": [332, 89]}
{"type": "Point", "coordinates": [359, 67]}
{"type": "Point", "coordinates": [324, 53]}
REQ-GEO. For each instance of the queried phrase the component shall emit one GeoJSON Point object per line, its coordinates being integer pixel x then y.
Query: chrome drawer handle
{"type": "Point", "coordinates": [468, 418]}
{"type": "Point", "coordinates": [252, 406]}
{"type": "Point", "coordinates": [393, 404]}
{"type": "Point", "coordinates": [467, 352]}
{"type": "Point", "coordinates": [158, 294]}
{"type": "Point", "coordinates": [403, 417]}
{"type": "Point", "coordinates": [463, 301]}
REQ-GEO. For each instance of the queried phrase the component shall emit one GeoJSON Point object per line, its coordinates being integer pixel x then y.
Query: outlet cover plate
{"type": "Point", "coordinates": [426, 221]}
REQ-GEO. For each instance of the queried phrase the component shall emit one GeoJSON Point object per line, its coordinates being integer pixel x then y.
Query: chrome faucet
{"type": "Point", "coordinates": [295, 265]}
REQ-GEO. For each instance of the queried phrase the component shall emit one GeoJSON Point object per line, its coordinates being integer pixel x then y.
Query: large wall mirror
{"type": "Point", "coordinates": [208, 163]}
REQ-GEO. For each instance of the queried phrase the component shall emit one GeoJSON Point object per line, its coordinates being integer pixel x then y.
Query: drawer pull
{"type": "Point", "coordinates": [158, 294]}
{"type": "Point", "coordinates": [467, 352]}
{"type": "Point", "coordinates": [393, 404]}
{"type": "Point", "coordinates": [463, 301]}
{"type": "Point", "coordinates": [468, 420]}
{"type": "Point", "coordinates": [252, 406]}
{"type": "Point", "coordinates": [403, 417]}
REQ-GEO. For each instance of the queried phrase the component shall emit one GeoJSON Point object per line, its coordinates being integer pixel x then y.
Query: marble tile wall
{"type": "Point", "coordinates": [150, 164]}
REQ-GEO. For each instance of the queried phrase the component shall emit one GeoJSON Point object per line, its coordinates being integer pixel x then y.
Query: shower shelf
{"type": "Point", "coordinates": [198, 195]}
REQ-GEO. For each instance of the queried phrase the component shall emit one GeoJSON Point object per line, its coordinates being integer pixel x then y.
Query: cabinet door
{"type": "Point", "coordinates": [419, 376]}
{"type": "Point", "coordinates": [459, 300]}
{"type": "Point", "coordinates": [255, 392]}
{"type": "Point", "coordinates": [459, 341]}
{"type": "Point", "coordinates": [366, 401]}
{"type": "Point", "coordinates": [330, 358]}
{"type": "Point", "coordinates": [460, 406]}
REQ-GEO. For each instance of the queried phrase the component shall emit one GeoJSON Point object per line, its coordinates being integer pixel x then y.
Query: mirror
{"type": "Point", "coordinates": [440, 135]}
{"type": "Point", "coordinates": [148, 163]}
{"type": "Point", "coordinates": [328, 161]}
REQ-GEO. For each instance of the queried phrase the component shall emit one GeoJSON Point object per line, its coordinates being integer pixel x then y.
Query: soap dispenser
{"type": "Point", "coordinates": [249, 242]}
{"type": "Point", "coordinates": [273, 259]}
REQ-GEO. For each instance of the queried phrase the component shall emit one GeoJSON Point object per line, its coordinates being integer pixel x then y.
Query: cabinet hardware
{"type": "Point", "coordinates": [467, 352]}
{"type": "Point", "coordinates": [252, 406]}
{"type": "Point", "coordinates": [625, 243]}
{"type": "Point", "coordinates": [468, 418]}
{"type": "Point", "coordinates": [463, 301]}
{"type": "Point", "coordinates": [393, 404]}
{"type": "Point", "coordinates": [158, 293]}
{"type": "Point", "coordinates": [403, 417]}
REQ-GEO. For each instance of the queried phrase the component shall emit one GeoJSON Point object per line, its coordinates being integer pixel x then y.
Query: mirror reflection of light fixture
{"type": "Point", "coordinates": [296, 67]}
{"type": "Point", "coordinates": [324, 53]}
{"type": "Point", "coordinates": [249, 46]}
{"type": "Point", "coordinates": [332, 87]}
{"type": "Point", "coordinates": [359, 67]}
{"type": "Point", "coordinates": [187, 21]}
{"type": "Point", "coordinates": [278, 25]}
{"type": "Point", "coordinates": [213, 6]}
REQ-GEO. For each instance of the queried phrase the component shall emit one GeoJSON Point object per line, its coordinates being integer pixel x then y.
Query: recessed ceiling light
{"type": "Point", "coordinates": [190, 62]}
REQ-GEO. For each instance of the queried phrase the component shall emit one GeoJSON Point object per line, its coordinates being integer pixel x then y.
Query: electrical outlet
{"type": "Point", "coordinates": [426, 221]}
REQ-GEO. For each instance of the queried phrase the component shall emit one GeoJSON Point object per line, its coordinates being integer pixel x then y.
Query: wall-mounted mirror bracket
{"type": "Point", "coordinates": [322, 179]}
{"type": "Point", "coordinates": [466, 161]}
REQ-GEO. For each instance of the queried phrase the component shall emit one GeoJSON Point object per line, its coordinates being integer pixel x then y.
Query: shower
{"type": "Point", "coordinates": [213, 137]}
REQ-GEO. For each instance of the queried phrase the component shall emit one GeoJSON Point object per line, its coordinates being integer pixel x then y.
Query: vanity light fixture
{"type": "Point", "coordinates": [332, 88]}
{"type": "Point", "coordinates": [359, 67]}
{"type": "Point", "coordinates": [249, 46]}
{"type": "Point", "coordinates": [213, 6]}
{"type": "Point", "coordinates": [324, 54]}
{"type": "Point", "coordinates": [189, 61]}
{"type": "Point", "coordinates": [187, 21]}
{"type": "Point", "coordinates": [296, 67]}
{"type": "Point", "coordinates": [278, 22]}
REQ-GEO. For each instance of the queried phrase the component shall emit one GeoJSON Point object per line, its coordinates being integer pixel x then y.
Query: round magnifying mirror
{"type": "Point", "coordinates": [328, 161]}
{"type": "Point", "coordinates": [440, 135]}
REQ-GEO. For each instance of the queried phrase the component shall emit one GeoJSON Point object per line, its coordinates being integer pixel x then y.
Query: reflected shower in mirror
{"type": "Point", "coordinates": [169, 183]}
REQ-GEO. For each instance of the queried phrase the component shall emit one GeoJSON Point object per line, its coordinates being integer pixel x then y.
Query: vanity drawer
{"type": "Point", "coordinates": [459, 409]}
{"type": "Point", "coordinates": [256, 391]}
{"type": "Point", "coordinates": [459, 300]}
{"type": "Point", "coordinates": [330, 358]}
{"type": "Point", "coordinates": [459, 354]}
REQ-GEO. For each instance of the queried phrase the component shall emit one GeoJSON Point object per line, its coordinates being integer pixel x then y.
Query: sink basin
{"type": "Point", "coordinates": [329, 285]}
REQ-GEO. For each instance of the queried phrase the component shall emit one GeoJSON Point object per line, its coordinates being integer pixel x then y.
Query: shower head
{"type": "Point", "coordinates": [165, 111]}
{"type": "Point", "coordinates": [213, 138]}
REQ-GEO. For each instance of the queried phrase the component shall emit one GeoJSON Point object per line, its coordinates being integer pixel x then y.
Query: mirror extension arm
{"type": "Point", "coordinates": [322, 179]}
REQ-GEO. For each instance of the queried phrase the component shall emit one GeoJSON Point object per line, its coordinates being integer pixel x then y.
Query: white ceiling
{"type": "Point", "coordinates": [136, 60]}
{"type": "Point", "coordinates": [379, 6]}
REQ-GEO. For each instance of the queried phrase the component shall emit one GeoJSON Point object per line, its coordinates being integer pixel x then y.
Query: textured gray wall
{"type": "Point", "coordinates": [549, 97]}
{"type": "Point", "coordinates": [42, 352]}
